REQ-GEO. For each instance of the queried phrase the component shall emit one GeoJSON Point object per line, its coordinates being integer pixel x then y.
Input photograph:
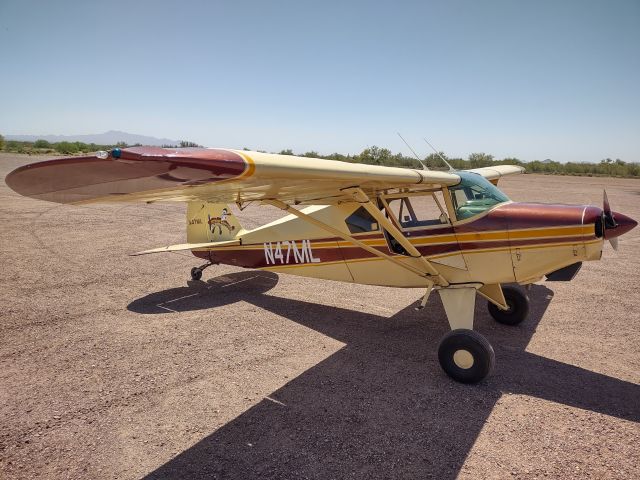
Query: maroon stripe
{"type": "Point", "coordinates": [469, 246]}
{"type": "Point", "coordinates": [257, 259]}
{"type": "Point", "coordinates": [429, 232]}
{"type": "Point", "coordinates": [574, 239]}
{"type": "Point", "coordinates": [429, 250]}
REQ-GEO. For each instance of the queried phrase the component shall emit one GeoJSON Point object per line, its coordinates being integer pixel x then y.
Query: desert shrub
{"type": "Point", "coordinates": [66, 147]}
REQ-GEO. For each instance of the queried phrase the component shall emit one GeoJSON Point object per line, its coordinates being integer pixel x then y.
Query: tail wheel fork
{"type": "Point", "coordinates": [196, 272]}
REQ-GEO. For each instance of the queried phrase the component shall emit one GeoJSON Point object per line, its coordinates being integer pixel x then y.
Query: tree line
{"type": "Point", "coordinates": [70, 148]}
{"type": "Point", "coordinates": [383, 156]}
{"type": "Point", "coordinates": [372, 156]}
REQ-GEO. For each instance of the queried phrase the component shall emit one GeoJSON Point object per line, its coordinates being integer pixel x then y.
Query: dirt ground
{"type": "Point", "coordinates": [114, 366]}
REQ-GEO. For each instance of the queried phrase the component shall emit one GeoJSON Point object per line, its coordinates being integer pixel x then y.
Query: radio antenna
{"type": "Point", "coordinates": [424, 167]}
{"type": "Point", "coordinates": [438, 153]}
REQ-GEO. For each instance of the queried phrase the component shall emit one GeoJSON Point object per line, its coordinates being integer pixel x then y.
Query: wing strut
{"type": "Point", "coordinates": [362, 198]}
{"type": "Point", "coordinates": [431, 278]}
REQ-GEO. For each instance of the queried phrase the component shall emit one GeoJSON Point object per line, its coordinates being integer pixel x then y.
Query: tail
{"type": "Point", "coordinates": [211, 222]}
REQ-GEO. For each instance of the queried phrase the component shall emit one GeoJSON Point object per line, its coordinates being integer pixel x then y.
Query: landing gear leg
{"type": "Point", "coordinates": [464, 355]}
{"type": "Point", "coordinates": [425, 298]}
{"type": "Point", "coordinates": [196, 272]}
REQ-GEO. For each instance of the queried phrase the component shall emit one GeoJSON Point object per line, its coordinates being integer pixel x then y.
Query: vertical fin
{"type": "Point", "coordinates": [211, 222]}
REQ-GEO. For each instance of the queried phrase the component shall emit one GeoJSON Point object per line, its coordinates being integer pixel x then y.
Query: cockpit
{"type": "Point", "coordinates": [474, 195]}
{"type": "Point", "coordinates": [413, 211]}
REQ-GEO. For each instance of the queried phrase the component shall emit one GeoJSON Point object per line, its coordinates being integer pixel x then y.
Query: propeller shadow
{"type": "Point", "coordinates": [380, 407]}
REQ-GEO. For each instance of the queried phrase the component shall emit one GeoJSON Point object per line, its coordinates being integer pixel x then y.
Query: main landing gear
{"type": "Point", "coordinates": [196, 272]}
{"type": "Point", "coordinates": [464, 354]}
{"type": "Point", "coordinates": [518, 303]}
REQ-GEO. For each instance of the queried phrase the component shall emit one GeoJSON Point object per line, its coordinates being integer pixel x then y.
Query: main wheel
{"type": "Point", "coordinates": [466, 356]}
{"type": "Point", "coordinates": [196, 273]}
{"type": "Point", "coordinates": [518, 304]}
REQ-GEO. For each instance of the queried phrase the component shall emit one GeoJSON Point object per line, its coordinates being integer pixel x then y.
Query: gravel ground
{"type": "Point", "coordinates": [118, 367]}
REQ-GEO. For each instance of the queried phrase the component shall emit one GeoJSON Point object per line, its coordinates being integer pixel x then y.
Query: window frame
{"type": "Point", "coordinates": [444, 209]}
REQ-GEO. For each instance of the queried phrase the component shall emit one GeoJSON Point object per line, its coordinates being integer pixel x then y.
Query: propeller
{"type": "Point", "coordinates": [614, 224]}
{"type": "Point", "coordinates": [608, 221]}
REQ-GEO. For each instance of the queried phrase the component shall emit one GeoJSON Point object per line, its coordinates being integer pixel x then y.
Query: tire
{"type": "Point", "coordinates": [466, 356]}
{"type": "Point", "coordinates": [196, 273]}
{"type": "Point", "coordinates": [518, 303]}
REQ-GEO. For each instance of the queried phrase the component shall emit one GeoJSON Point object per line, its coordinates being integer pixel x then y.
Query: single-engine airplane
{"type": "Point", "coordinates": [453, 232]}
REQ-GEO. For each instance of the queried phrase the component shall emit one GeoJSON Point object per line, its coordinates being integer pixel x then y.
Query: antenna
{"type": "Point", "coordinates": [424, 167]}
{"type": "Point", "coordinates": [438, 153]}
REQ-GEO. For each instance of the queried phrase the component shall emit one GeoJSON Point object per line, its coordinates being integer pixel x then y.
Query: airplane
{"type": "Point", "coordinates": [452, 232]}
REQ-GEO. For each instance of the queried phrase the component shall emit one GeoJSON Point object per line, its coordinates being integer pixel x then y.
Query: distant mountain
{"type": "Point", "coordinates": [107, 138]}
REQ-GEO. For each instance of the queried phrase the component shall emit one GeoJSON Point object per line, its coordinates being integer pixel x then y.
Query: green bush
{"type": "Point", "coordinates": [66, 147]}
{"type": "Point", "coordinates": [15, 146]}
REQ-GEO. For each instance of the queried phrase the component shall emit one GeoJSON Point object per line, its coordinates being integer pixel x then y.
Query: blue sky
{"type": "Point", "coordinates": [534, 80]}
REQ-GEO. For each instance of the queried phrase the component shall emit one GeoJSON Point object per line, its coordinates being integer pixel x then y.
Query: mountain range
{"type": "Point", "coordinates": [107, 138]}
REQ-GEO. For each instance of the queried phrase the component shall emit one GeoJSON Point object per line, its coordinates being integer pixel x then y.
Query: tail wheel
{"type": "Point", "coordinates": [466, 356]}
{"type": "Point", "coordinates": [196, 273]}
{"type": "Point", "coordinates": [518, 304]}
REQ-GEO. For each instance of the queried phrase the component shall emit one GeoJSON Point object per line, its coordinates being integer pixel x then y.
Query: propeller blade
{"type": "Point", "coordinates": [609, 220]}
{"type": "Point", "coordinates": [614, 243]}
{"type": "Point", "coordinates": [605, 203]}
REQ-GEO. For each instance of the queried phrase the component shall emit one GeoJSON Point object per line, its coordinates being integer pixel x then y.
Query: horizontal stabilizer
{"type": "Point", "coordinates": [188, 246]}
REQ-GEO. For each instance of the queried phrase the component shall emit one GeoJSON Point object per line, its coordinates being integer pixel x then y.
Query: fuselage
{"type": "Point", "coordinates": [509, 242]}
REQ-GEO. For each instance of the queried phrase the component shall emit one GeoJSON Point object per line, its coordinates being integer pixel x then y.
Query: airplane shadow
{"type": "Point", "coordinates": [380, 407]}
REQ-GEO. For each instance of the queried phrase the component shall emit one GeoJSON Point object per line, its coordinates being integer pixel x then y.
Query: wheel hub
{"type": "Point", "coordinates": [463, 359]}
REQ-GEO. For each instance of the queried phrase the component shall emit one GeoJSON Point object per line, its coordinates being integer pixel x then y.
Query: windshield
{"type": "Point", "coordinates": [474, 195]}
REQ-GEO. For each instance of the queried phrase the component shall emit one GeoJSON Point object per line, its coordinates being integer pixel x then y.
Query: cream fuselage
{"type": "Point", "coordinates": [512, 242]}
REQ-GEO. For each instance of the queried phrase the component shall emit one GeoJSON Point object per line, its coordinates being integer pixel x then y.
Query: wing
{"type": "Point", "coordinates": [215, 175]}
{"type": "Point", "coordinates": [493, 174]}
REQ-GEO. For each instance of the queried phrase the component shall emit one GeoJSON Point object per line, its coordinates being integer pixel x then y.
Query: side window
{"type": "Point", "coordinates": [361, 221]}
{"type": "Point", "coordinates": [419, 211]}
